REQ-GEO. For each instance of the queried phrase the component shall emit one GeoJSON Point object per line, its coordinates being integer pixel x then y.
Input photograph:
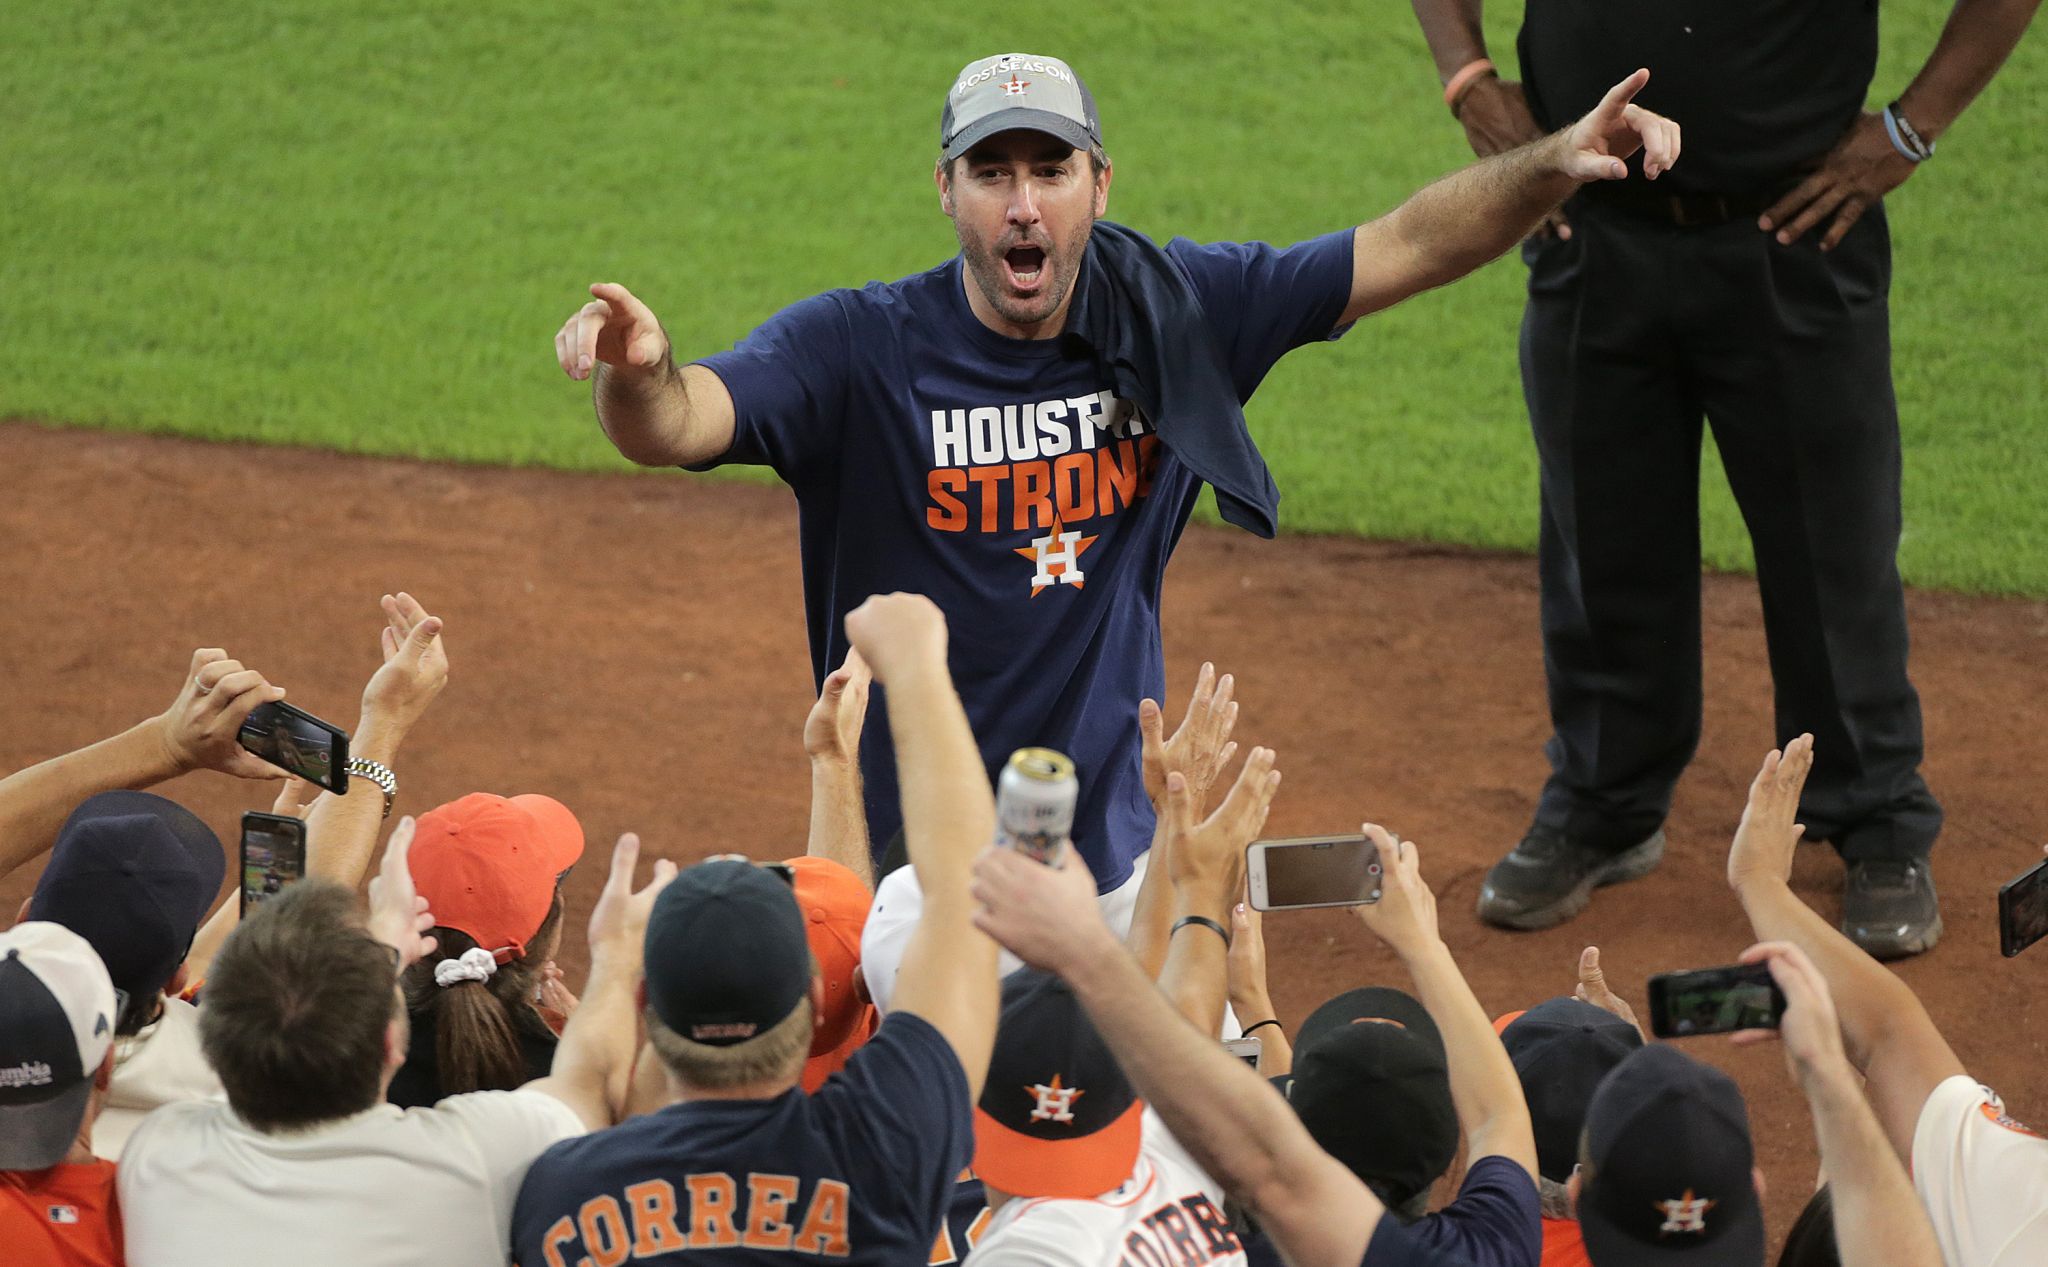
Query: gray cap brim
{"type": "Point", "coordinates": [1021, 118]}
{"type": "Point", "coordinates": [36, 1136]}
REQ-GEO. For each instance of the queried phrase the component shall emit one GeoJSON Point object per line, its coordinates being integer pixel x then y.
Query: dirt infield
{"type": "Point", "coordinates": [634, 645]}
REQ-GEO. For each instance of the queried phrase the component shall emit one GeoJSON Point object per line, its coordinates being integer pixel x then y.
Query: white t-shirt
{"type": "Point", "coordinates": [386, 1186]}
{"type": "Point", "coordinates": [161, 1065]}
{"type": "Point", "coordinates": [1168, 1211]}
{"type": "Point", "coordinates": [1983, 1178]}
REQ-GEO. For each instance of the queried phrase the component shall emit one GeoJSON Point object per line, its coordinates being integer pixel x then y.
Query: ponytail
{"type": "Point", "coordinates": [477, 1022]}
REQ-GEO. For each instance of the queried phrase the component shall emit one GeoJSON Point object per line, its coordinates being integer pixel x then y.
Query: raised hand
{"type": "Point", "coordinates": [553, 992]}
{"type": "Point", "coordinates": [832, 731]}
{"type": "Point", "coordinates": [614, 327]}
{"type": "Point", "coordinates": [898, 633]}
{"type": "Point", "coordinates": [1861, 169]}
{"type": "Point", "coordinates": [398, 914]}
{"type": "Point", "coordinates": [1597, 146]}
{"type": "Point", "coordinates": [1200, 747]}
{"type": "Point", "coordinates": [619, 920]}
{"type": "Point", "coordinates": [415, 663]}
{"type": "Point", "coordinates": [1593, 989]}
{"type": "Point", "coordinates": [1405, 915]}
{"type": "Point", "coordinates": [1209, 852]}
{"type": "Point", "coordinates": [1246, 962]}
{"type": "Point", "coordinates": [201, 728]}
{"type": "Point", "coordinates": [1810, 1030]}
{"type": "Point", "coordinates": [1767, 836]}
{"type": "Point", "coordinates": [1046, 916]}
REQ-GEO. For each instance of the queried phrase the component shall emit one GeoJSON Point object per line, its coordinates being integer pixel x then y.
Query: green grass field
{"type": "Point", "coordinates": [358, 225]}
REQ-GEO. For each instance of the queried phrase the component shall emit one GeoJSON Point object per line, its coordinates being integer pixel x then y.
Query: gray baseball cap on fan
{"type": "Point", "coordinates": [1017, 90]}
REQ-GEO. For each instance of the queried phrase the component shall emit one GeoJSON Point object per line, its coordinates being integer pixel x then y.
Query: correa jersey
{"type": "Point", "coordinates": [858, 1173]}
{"type": "Point", "coordinates": [1004, 479]}
{"type": "Point", "coordinates": [1982, 1176]}
{"type": "Point", "coordinates": [1169, 1213]}
{"type": "Point", "coordinates": [66, 1216]}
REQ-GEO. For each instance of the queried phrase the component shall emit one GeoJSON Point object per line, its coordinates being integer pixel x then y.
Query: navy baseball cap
{"type": "Point", "coordinates": [1670, 1167]}
{"type": "Point", "coordinates": [57, 1013]}
{"type": "Point", "coordinates": [133, 874]}
{"type": "Point", "coordinates": [1562, 1049]}
{"type": "Point", "coordinates": [1372, 1086]}
{"type": "Point", "coordinates": [1057, 1117]}
{"type": "Point", "coordinates": [728, 957]}
{"type": "Point", "coordinates": [1017, 90]}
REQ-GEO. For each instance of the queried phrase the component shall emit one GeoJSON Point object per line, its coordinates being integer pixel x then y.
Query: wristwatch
{"type": "Point", "coordinates": [378, 773]}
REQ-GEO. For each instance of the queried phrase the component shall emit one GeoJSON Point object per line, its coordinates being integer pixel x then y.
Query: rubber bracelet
{"type": "Point", "coordinates": [1461, 83]}
{"type": "Point", "coordinates": [1205, 922]}
{"type": "Point", "coordinates": [1246, 1032]}
{"type": "Point", "coordinates": [1903, 138]}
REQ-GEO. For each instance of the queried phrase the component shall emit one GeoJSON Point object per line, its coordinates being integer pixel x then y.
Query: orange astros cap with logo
{"type": "Point", "coordinates": [488, 865]}
{"type": "Point", "coordinates": [1057, 1117]}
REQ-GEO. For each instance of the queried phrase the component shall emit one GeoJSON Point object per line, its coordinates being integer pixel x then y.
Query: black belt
{"type": "Point", "coordinates": [1644, 200]}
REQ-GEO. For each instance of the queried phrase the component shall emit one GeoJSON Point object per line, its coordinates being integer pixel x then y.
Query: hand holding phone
{"type": "Point", "coordinates": [298, 743]}
{"type": "Point", "coordinates": [2023, 910]}
{"type": "Point", "coordinates": [1715, 1001]}
{"type": "Point", "coordinates": [273, 856]}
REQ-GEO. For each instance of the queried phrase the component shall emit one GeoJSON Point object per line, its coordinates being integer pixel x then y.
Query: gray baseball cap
{"type": "Point", "coordinates": [1017, 90]}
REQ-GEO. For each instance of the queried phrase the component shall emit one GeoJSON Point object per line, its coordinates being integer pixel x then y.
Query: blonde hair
{"type": "Point", "coordinates": [775, 1055]}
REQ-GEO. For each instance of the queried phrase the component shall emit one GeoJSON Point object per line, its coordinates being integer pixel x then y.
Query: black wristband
{"type": "Point", "coordinates": [1205, 922]}
{"type": "Point", "coordinates": [1246, 1032]}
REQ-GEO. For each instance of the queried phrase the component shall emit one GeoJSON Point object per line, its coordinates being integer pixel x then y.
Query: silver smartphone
{"type": "Point", "coordinates": [1310, 871]}
{"type": "Point", "coordinates": [1245, 1049]}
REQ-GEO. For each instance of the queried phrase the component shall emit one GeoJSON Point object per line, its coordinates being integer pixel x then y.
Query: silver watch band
{"type": "Point", "coordinates": [378, 773]}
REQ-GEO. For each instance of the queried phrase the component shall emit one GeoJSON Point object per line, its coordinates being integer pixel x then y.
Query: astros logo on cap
{"type": "Point", "coordinates": [1055, 1102]}
{"type": "Point", "coordinates": [1685, 1214]}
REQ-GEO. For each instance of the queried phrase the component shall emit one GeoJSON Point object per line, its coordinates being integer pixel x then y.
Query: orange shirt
{"type": "Point", "coordinates": [1563, 1245]}
{"type": "Point", "coordinates": [65, 1216]}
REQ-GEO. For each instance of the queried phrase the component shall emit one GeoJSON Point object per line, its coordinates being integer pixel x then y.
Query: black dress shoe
{"type": "Point", "coordinates": [1548, 879]}
{"type": "Point", "coordinates": [1889, 907]}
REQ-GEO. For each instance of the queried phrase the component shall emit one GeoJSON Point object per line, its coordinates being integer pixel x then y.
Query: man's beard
{"type": "Point", "coordinates": [988, 265]}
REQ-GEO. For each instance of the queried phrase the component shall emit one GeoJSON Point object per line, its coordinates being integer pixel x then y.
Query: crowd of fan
{"type": "Point", "coordinates": [766, 1064]}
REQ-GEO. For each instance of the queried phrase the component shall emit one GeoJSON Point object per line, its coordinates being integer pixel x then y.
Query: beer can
{"type": "Point", "coordinates": [1035, 803]}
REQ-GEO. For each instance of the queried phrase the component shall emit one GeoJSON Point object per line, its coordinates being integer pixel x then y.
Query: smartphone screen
{"type": "Point", "coordinates": [2023, 911]}
{"type": "Point", "coordinates": [1714, 1001]}
{"type": "Point", "coordinates": [296, 741]}
{"type": "Point", "coordinates": [273, 855]}
{"type": "Point", "coordinates": [1314, 871]}
{"type": "Point", "coordinates": [1245, 1049]}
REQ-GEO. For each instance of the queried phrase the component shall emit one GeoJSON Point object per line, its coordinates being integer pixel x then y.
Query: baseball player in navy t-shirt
{"type": "Point", "coordinates": [943, 437]}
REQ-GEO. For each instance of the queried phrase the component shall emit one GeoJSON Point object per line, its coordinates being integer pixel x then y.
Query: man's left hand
{"type": "Point", "coordinates": [1861, 169]}
{"type": "Point", "coordinates": [1597, 147]}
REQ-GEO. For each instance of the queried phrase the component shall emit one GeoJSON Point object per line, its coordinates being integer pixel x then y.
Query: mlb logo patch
{"type": "Point", "coordinates": [63, 1213]}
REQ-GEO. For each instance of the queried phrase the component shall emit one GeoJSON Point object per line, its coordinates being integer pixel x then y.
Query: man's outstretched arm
{"type": "Point", "coordinates": [655, 412]}
{"type": "Point", "coordinates": [1887, 1033]}
{"type": "Point", "coordinates": [1454, 225]}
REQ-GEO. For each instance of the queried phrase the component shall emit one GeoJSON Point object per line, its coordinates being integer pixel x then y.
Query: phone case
{"type": "Point", "coordinates": [2009, 895]}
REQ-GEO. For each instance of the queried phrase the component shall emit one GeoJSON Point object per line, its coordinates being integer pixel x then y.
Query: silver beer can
{"type": "Point", "coordinates": [1035, 799]}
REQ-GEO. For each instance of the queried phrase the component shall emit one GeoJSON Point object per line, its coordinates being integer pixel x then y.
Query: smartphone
{"type": "Point", "coordinates": [2023, 910]}
{"type": "Point", "coordinates": [273, 855]}
{"type": "Point", "coordinates": [1313, 871]}
{"type": "Point", "coordinates": [295, 741]}
{"type": "Point", "coordinates": [1714, 1001]}
{"type": "Point", "coordinates": [1245, 1049]}
{"type": "Point", "coordinates": [781, 871]}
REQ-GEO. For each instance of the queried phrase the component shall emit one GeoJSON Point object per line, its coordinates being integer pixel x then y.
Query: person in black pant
{"type": "Point", "coordinates": [1747, 287]}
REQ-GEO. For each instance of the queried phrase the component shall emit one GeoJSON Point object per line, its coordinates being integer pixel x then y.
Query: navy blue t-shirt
{"type": "Point", "coordinates": [860, 1172]}
{"type": "Point", "coordinates": [1495, 1221]}
{"type": "Point", "coordinates": [1004, 479]}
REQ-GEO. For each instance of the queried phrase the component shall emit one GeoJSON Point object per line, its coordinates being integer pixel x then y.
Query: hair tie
{"type": "Point", "coordinates": [474, 964]}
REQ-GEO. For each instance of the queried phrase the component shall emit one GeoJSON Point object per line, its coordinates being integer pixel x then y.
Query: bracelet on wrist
{"type": "Point", "coordinates": [378, 773]}
{"type": "Point", "coordinates": [1246, 1032]}
{"type": "Point", "coordinates": [1204, 922]}
{"type": "Point", "coordinates": [1904, 137]}
{"type": "Point", "coordinates": [1460, 84]}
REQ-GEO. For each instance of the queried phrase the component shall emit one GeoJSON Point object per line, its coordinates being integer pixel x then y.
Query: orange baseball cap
{"type": "Point", "coordinates": [488, 865]}
{"type": "Point", "coordinates": [835, 907]}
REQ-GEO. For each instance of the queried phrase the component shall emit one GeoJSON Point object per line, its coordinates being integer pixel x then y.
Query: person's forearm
{"type": "Point", "coordinates": [647, 415]}
{"type": "Point", "coordinates": [1868, 998]}
{"type": "Point", "coordinates": [1152, 912]}
{"type": "Point", "coordinates": [1973, 45]}
{"type": "Point", "coordinates": [1456, 35]}
{"type": "Point", "coordinates": [1878, 1219]}
{"type": "Point", "coordinates": [594, 1059]}
{"type": "Point", "coordinates": [35, 802]}
{"type": "Point", "coordinates": [948, 810]}
{"type": "Point", "coordinates": [1196, 977]}
{"type": "Point", "coordinates": [1484, 1085]}
{"type": "Point", "coordinates": [839, 821]}
{"type": "Point", "coordinates": [1453, 225]}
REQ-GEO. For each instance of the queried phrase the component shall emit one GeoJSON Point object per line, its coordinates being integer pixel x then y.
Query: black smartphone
{"type": "Point", "coordinates": [2023, 910]}
{"type": "Point", "coordinates": [1714, 1001]}
{"type": "Point", "coordinates": [273, 855]}
{"type": "Point", "coordinates": [295, 741]}
{"type": "Point", "coordinates": [782, 871]}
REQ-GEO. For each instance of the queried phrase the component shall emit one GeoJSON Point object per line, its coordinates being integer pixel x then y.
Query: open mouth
{"type": "Point", "coordinates": [1026, 264]}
